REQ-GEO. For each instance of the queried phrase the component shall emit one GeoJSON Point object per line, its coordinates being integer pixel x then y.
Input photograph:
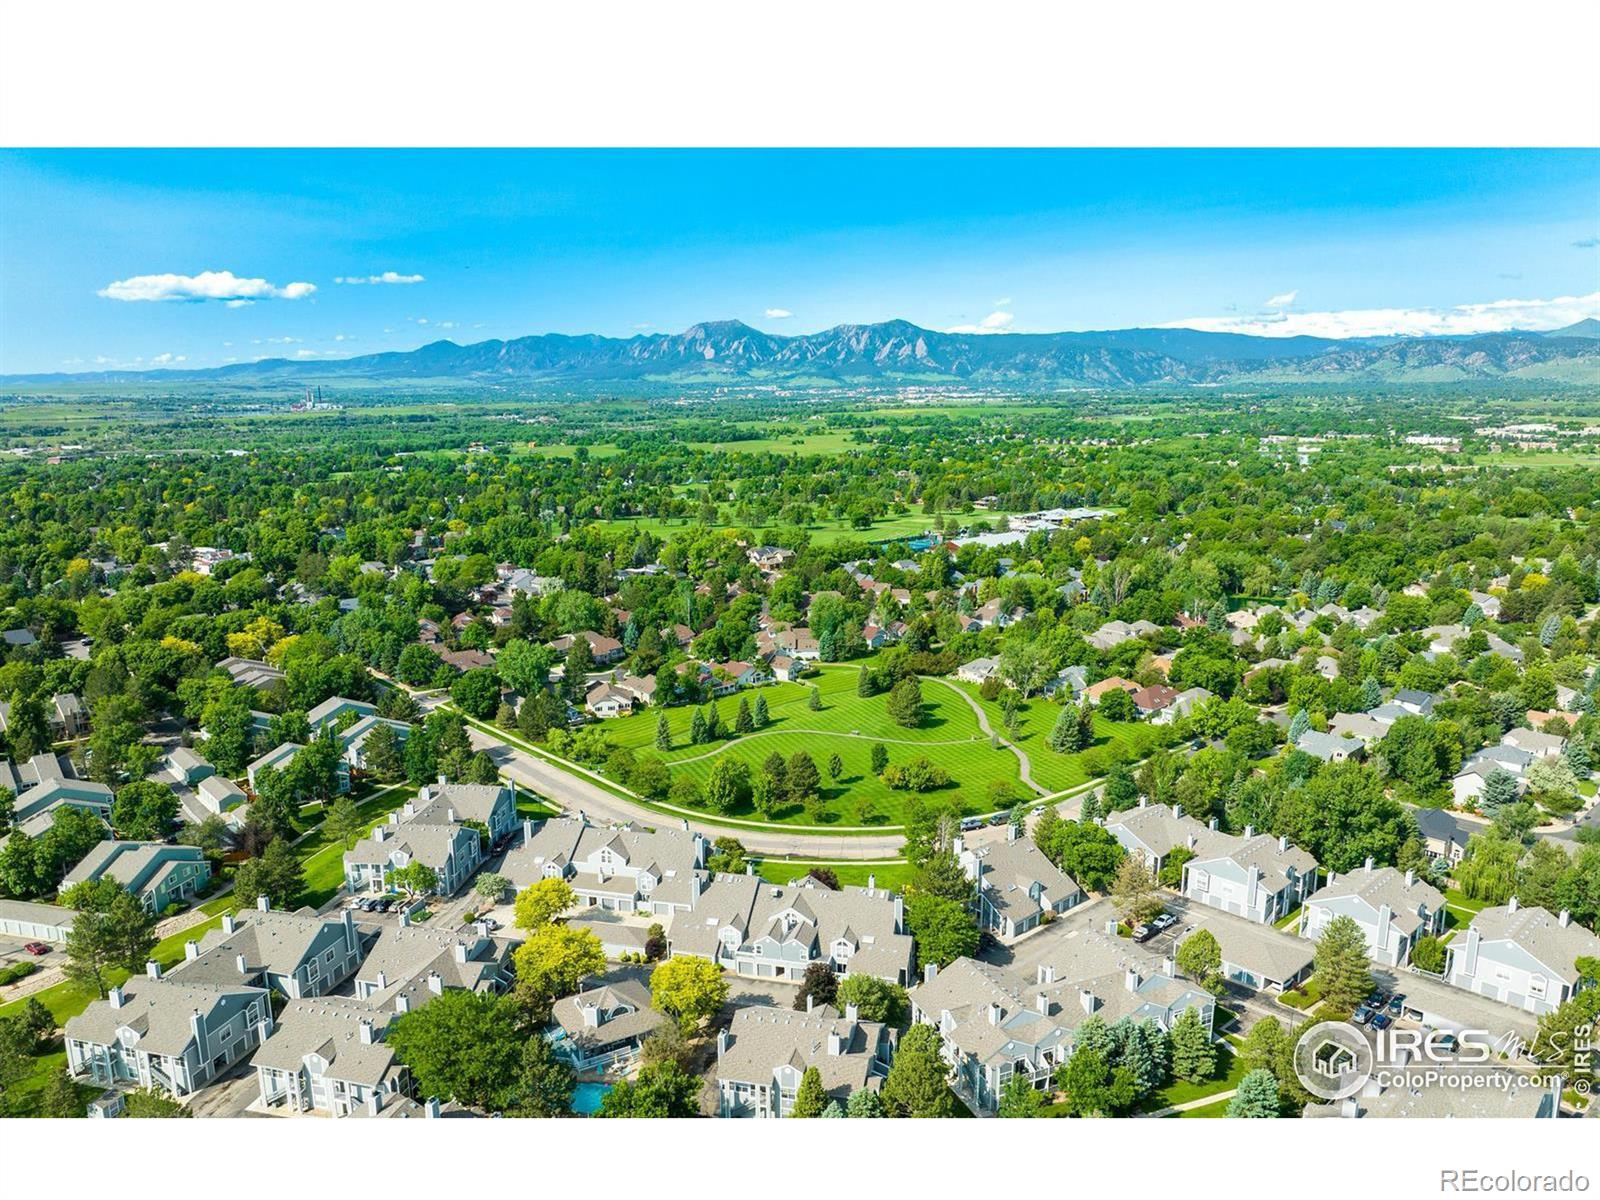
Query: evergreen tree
{"type": "Point", "coordinates": [663, 732]}
{"type": "Point", "coordinates": [758, 715]}
{"type": "Point", "coordinates": [1499, 792]}
{"type": "Point", "coordinates": [1343, 971]}
{"type": "Point", "coordinates": [1371, 694]}
{"type": "Point", "coordinates": [1257, 1096]}
{"type": "Point", "coordinates": [1091, 808]}
{"type": "Point", "coordinates": [814, 700]}
{"type": "Point", "coordinates": [864, 686]}
{"type": "Point", "coordinates": [1064, 734]}
{"type": "Point", "coordinates": [835, 767]}
{"type": "Point", "coordinates": [1298, 725]}
{"type": "Point", "coordinates": [743, 722]}
{"type": "Point", "coordinates": [714, 728]}
{"type": "Point", "coordinates": [697, 728]}
{"type": "Point", "coordinates": [810, 1099]}
{"type": "Point", "coordinates": [880, 757]}
{"type": "Point", "coordinates": [1019, 1098]}
{"type": "Point", "coordinates": [864, 1104]}
{"type": "Point", "coordinates": [1194, 1057]}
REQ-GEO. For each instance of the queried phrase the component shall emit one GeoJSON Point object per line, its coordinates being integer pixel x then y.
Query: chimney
{"type": "Point", "coordinates": [929, 970]}
{"type": "Point", "coordinates": [1191, 841]}
{"type": "Point", "coordinates": [383, 980]}
{"type": "Point", "coordinates": [153, 969]}
{"type": "Point", "coordinates": [263, 904]}
{"type": "Point", "coordinates": [481, 928]}
{"type": "Point", "coordinates": [1249, 832]}
{"type": "Point", "coordinates": [116, 997]}
{"type": "Point", "coordinates": [1252, 885]}
{"type": "Point", "coordinates": [1411, 877]}
{"type": "Point", "coordinates": [1012, 832]}
{"type": "Point", "coordinates": [197, 1030]}
{"type": "Point", "coordinates": [851, 1013]}
{"type": "Point", "coordinates": [1111, 927]}
{"type": "Point", "coordinates": [1087, 1001]}
{"type": "Point", "coordinates": [872, 882]}
{"type": "Point", "coordinates": [1565, 918]}
{"type": "Point", "coordinates": [1041, 1004]}
{"type": "Point", "coordinates": [811, 1002]}
{"type": "Point", "coordinates": [1047, 973]}
{"type": "Point", "coordinates": [1177, 811]}
{"type": "Point", "coordinates": [431, 1108]}
{"type": "Point", "coordinates": [402, 1003]}
{"type": "Point", "coordinates": [1511, 905]}
{"type": "Point", "coordinates": [1143, 802]}
{"type": "Point", "coordinates": [1212, 824]}
{"type": "Point", "coordinates": [450, 815]}
{"type": "Point", "coordinates": [240, 965]}
{"type": "Point", "coordinates": [191, 951]}
{"type": "Point", "coordinates": [1169, 967]}
{"type": "Point", "coordinates": [461, 952]}
{"type": "Point", "coordinates": [957, 845]}
{"type": "Point", "coordinates": [366, 1032]}
{"type": "Point", "coordinates": [374, 1101]}
{"type": "Point", "coordinates": [350, 930]}
{"type": "Point", "coordinates": [380, 833]}
{"type": "Point", "coordinates": [1130, 980]}
{"type": "Point", "coordinates": [1283, 843]}
{"type": "Point", "coordinates": [835, 1044]}
{"type": "Point", "coordinates": [228, 923]}
{"type": "Point", "coordinates": [405, 919]}
{"type": "Point", "coordinates": [527, 832]}
{"type": "Point", "coordinates": [1385, 918]}
{"type": "Point", "coordinates": [722, 1043]}
{"type": "Point", "coordinates": [435, 983]}
{"type": "Point", "coordinates": [1367, 866]}
{"type": "Point", "coordinates": [994, 1013]}
{"type": "Point", "coordinates": [443, 779]}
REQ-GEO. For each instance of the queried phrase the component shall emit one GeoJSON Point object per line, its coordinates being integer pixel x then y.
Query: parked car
{"type": "Point", "coordinates": [1362, 1015]}
{"type": "Point", "coordinates": [1165, 921]}
{"type": "Point", "coordinates": [37, 948]}
{"type": "Point", "coordinates": [1382, 1021]}
{"type": "Point", "coordinates": [1447, 1043]}
{"type": "Point", "coordinates": [1397, 1004]}
{"type": "Point", "coordinates": [1143, 933]}
{"type": "Point", "coordinates": [968, 824]}
{"type": "Point", "coordinates": [999, 818]}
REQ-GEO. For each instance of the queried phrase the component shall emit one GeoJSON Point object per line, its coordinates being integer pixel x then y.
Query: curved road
{"type": "Point", "coordinates": [1026, 771]}
{"type": "Point", "coordinates": [574, 793]}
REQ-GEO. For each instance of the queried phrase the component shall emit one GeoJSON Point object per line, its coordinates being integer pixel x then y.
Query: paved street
{"type": "Point", "coordinates": [575, 793]}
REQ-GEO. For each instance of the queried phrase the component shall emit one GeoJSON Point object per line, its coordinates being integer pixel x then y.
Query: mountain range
{"type": "Point", "coordinates": [890, 351]}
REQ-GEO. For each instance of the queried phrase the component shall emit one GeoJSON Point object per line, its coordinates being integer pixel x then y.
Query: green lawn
{"type": "Point", "coordinates": [884, 875]}
{"type": "Point", "coordinates": [1217, 1109]}
{"type": "Point", "coordinates": [825, 530]}
{"type": "Point", "coordinates": [1055, 771]}
{"type": "Point", "coordinates": [846, 725]}
{"type": "Point", "coordinates": [1230, 1070]}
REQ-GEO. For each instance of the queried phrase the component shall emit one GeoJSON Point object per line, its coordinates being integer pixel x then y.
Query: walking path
{"type": "Point", "coordinates": [745, 738]}
{"type": "Point", "coordinates": [1026, 770]}
{"type": "Point", "coordinates": [1199, 1102]}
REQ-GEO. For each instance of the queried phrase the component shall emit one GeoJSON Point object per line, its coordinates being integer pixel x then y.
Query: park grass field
{"type": "Point", "coordinates": [847, 725]}
{"type": "Point", "coordinates": [1051, 769]}
{"type": "Point", "coordinates": [824, 532]}
{"type": "Point", "coordinates": [883, 875]}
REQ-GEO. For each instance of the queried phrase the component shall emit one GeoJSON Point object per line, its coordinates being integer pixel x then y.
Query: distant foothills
{"type": "Point", "coordinates": [898, 351]}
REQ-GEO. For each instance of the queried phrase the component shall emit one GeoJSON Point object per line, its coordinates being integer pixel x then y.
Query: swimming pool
{"type": "Point", "coordinates": [587, 1097]}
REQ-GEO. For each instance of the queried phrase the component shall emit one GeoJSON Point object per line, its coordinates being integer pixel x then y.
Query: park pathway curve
{"type": "Point", "coordinates": [1026, 766]}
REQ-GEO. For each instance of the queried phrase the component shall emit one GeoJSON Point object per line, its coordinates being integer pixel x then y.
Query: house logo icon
{"type": "Point", "coordinates": [1333, 1060]}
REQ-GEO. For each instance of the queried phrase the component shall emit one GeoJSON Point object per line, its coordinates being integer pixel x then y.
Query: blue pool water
{"type": "Point", "coordinates": [587, 1097]}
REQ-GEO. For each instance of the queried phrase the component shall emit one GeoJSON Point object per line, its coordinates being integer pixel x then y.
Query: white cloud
{"type": "Point", "coordinates": [1283, 301]}
{"type": "Point", "coordinates": [208, 285]}
{"type": "Point", "coordinates": [995, 322]}
{"type": "Point", "coordinates": [167, 360]}
{"type": "Point", "coordinates": [1496, 316]}
{"type": "Point", "coordinates": [419, 320]}
{"type": "Point", "coordinates": [344, 337]}
{"type": "Point", "coordinates": [778, 314]}
{"type": "Point", "coordinates": [386, 277]}
{"type": "Point", "coordinates": [447, 324]}
{"type": "Point", "coordinates": [1002, 302]}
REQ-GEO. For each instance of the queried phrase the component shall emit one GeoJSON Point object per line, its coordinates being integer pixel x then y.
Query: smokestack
{"type": "Point", "coordinates": [153, 969]}
{"type": "Point", "coordinates": [116, 997]}
{"type": "Point", "coordinates": [366, 1032]}
{"type": "Point", "coordinates": [263, 904]}
{"type": "Point", "coordinates": [228, 923]}
{"type": "Point", "coordinates": [239, 964]}
{"type": "Point", "coordinates": [191, 951]}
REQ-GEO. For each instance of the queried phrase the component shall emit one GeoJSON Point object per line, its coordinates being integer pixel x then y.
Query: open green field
{"type": "Point", "coordinates": [849, 726]}
{"type": "Point", "coordinates": [1051, 769]}
{"type": "Point", "coordinates": [826, 531]}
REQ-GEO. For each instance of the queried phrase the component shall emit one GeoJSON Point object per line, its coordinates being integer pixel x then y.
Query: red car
{"type": "Point", "coordinates": [37, 948]}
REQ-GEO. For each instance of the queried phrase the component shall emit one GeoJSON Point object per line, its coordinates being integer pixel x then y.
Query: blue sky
{"type": "Point", "coordinates": [196, 258]}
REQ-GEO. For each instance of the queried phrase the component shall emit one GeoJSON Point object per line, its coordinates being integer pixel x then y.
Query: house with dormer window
{"type": "Point", "coordinates": [622, 868]}
{"type": "Point", "coordinates": [603, 1027]}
